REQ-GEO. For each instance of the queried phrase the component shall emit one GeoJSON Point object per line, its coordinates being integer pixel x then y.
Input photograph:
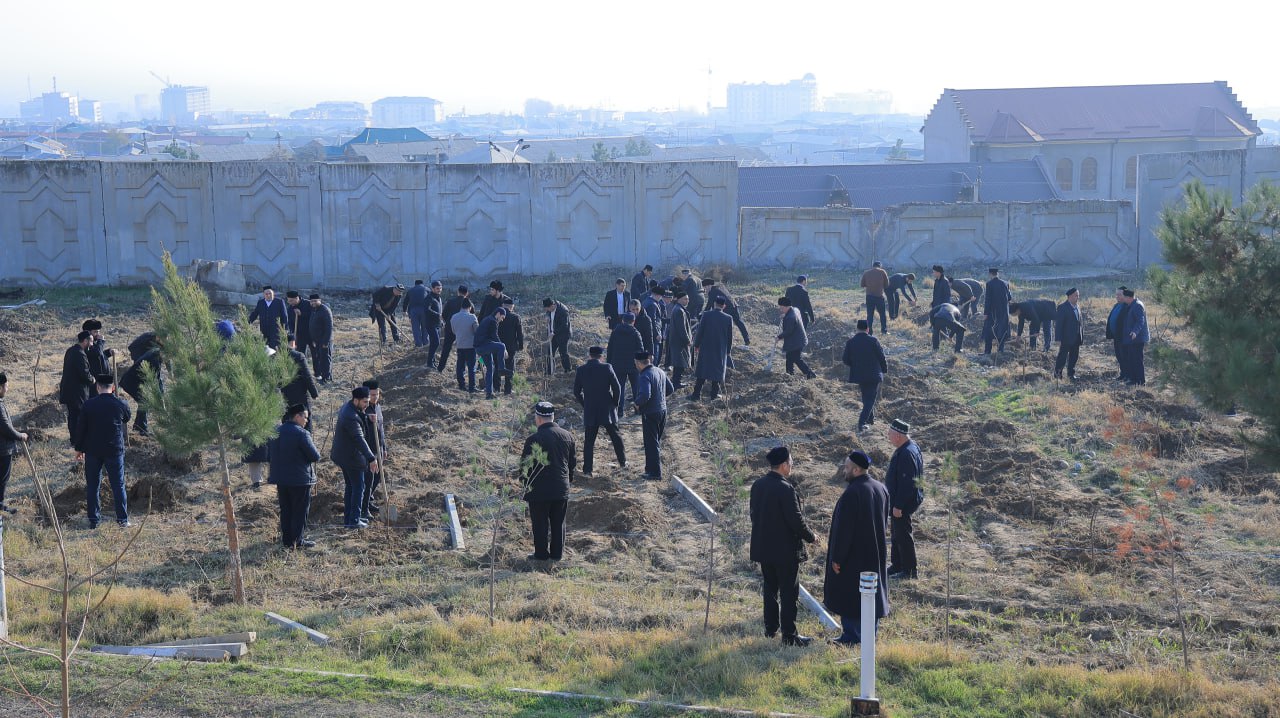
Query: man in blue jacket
{"type": "Point", "coordinates": [99, 441]}
{"type": "Point", "coordinates": [996, 306]}
{"type": "Point", "coordinates": [1134, 337]}
{"type": "Point", "coordinates": [905, 496]}
{"type": "Point", "coordinates": [651, 391]}
{"type": "Point", "coordinates": [865, 358]}
{"type": "Point", "coordinates": [293, 455]}
{"type": "Point", "coordinates": [415, 307]}
{"type": "Point", "coordinates": [352, 454]}
{"type": "Point", "coordinates": [778, 535]}
{"type": "Point", "coordinates": [1070, 331]}
{"type": "Point", "coordinates": [270, 315]}
{"type": "Point", "coordinates": [489, 346]}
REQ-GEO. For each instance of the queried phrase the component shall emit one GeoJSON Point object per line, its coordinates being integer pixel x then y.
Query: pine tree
{"type": "Point", "coordinates": [1223, 281]}
{"type": "Point", "coordinates": [220, 393]}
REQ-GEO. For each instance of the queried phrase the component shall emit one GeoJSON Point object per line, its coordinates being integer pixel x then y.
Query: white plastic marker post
{"type": "Point", "coordinates": [866, 704]}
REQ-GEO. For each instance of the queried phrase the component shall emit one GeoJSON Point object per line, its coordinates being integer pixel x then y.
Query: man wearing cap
{"type": "Point", "coordinates": [713, 340]}
{"type": "Point", "coordinates": [617, 302]}
{"type": "Point", "coordinates": [643, 324]}
{"type": "Point", "coordinates": [944, 319]}
{"type": "Point", "coordinates": [302, 388]}
{"type": "Point", "coordinates": [559, 332]}
{"type": "Point", "coordinates": [320, 332]}
{"type": "Point", "coordinates": [1115, 330]}
{"type": "Point", "coordinates": [1070, 331]}
{"type": "Point", "coordinates": [1134, 338]}
{"type": "Point", "coordinates": [969, 292]}
{"type": "Point", "coordinates": [941, 288]}
{"type": "Point", "coordinates": [352, 453]}
{"type": "Point", "coordinates": [270, 315]}
{"type": "Point", "coordinates": [996, 306]}
{"type": "Point", "coordinates": [131, 382]}
{"type": "Point", "coordinates": [10, 437]}
{"type": "Point", "coordinates": [299, 313]}
{"type": "Point", "coordinates": [99, 441]}
{"type": "Point", "coordinates": [798, 295]}
{"type": "Point", "coordinates": [598, 391]}
{"type": "Point", "coordinates": [511, 334]}
{"type": "Point", "coordinates": [415, 308]}
{"type": "Point", "coordinates": [653, 307]}
{"type": "Point", "coordinates": [77, 380]}
{"type": "Point", "coordinates": [640, 282]}
{"type": "Point", "coordinates": [464, 325]}
{"type": "Point", "coordinates": [492, 300]}
{"type": "Point", "coordinates": [489, 347]}
{"type": "Point", "coordinates": [98, 352]}
{"type": "Point", "coordinates": [382, 309]}
{"type": "Point", "coordinates": [375, 429]}
{"type": "Point", "coordinates": [876, 281]}
{"type": "Point", "coordinates": [293, 455]}
{"type": "Point", "coordinates": [651, 391]}
{"type": "Point", "coordinates": [778, 535]}
{"type": "Point", "coordinates": [679, 347]}
{"type": "Point", "coordinates": [692, 287]}
{"type": "Point", "coordinates": [546, 477]}
{"type": "Point", "coordinates": [900, 285]}
{"type": "Point", "coordinates": [855, 545]}
{"type": "Point", "coordinates": [715, 292]}
{"type": "Point", "coordinates": [451, 307]}
{"type": "Point", "coordinates": [865, 358]}
{"type": "Point", "coordinates": [433, 311]}
{"type": "Point", "coordinates": [1040, 312]}
{"type": "Point", "coordinates": [624, 342]}
{"type": "Point", "coordinates": [905, 496]}
{"type": "Point", "coordinates": [794, 338]}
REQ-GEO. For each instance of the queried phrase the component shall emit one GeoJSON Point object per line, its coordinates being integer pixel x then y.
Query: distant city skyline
{"type": "Point", "coordinates": [491, 58]}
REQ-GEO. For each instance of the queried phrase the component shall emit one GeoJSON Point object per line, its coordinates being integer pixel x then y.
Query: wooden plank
{"type": "Point", "coordinates": [242, 637]}
{"type": "Point", "coordinates": [312, 633]}
{"type": "Point", "coordinates": [455, 525]}
{"type": "Point", "coordinates": [189, 653]}
{"type": "Point", "coordinates": [818, 610]}
{"type": "Point", "coordinates": [702, 506]}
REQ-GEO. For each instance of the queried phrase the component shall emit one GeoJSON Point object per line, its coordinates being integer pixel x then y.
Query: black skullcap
{"type": "Point", "coordinates": [876, 263]}
{"type": "Point", "coordinates": [508, 300]}
{"type": "Point", "coordinates": [721, 301]}
{"type": "Point", "coordinates": [802, 279]}
{"type": "Point", "coordinates": [863, 325]}
{"type": "Point", "coordinates": [290, 337]}
{"type": "Point", "coordinates": [658, 292]}
{"type": "Point", "coordinates": [462, 289]}
{"type": "Point", "coordinates": [4, 378]}
{"type": "Point", "coordinates": [416, 282]}
{"type": "Point", "coordinates": [778, 456]}
{"type": "Point", "coordinates": [495, 284]}
{"type": "Point", "coordinates": [265, 287]}
{"type": "Point", "coordinates": [784, 302]}
{"type": "Point", "coordinates": [104, 379]}
{"type": "Point", "coordinates": [501, 311]}
{"type": "Point", "coordinates": [91, 325]}
{"type": "Point", "coordinates": [370, 384]}
{"type": "Point", "coordinates": [360, 392]}
{"type": "Point", "coordinates": [292, 294]}
{"type": "Point", "coordinates": [686, 271]}
{"type": "Point", "coordinates": [900, 426]}
{"type": "Point", "coordinates": [314, 296]}
{"type": "Point", "coordinates": [1121, 288]}
{"type": "Point", "coordinates": [595, 351]}
{"type": "Point", "coordinates": [678, 295]}
{"type": "Point", "coordinates": [436, 283]}
{"type": "Point", "coordinates": [548, 302]}
{"type": "Point", "coordinates": [82, 336]}
{"type": "Point", "coordinates": [1129, 293]}
{"type": "Point", "coordinates": [860, 459]}
{"type": "Point", "coordinates": [708, 281]}
{"type": "Point", "coordinates": [628, 318]}
{"type": "Point", "coordinates": [294, 410]}
{"type": "Point", "coordinates": [643, 356]}
{"type": "Point", "coordinates": [993, 270]}
{"type": "Point", "coordinates": [938, 268]}
{"type": "Point", "coordinates": [544, 408]}
{"type": "Point", "coordinates": [647, 268]}
{"type": "Point", "coordinates": [1071, 291]}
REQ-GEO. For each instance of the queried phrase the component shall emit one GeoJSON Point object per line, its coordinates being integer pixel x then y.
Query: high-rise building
{"type": "Point", "coordinates": [184, 103]}
{"type": "Point", "coordinates": [764, 102]}
{"type": "Point", "coordinates": [59, 106]}
{"type": "Point", "coordinates": [406, 111]}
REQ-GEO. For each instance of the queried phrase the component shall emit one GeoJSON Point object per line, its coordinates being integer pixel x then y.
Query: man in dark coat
{"type": "Point", "coordinates": [794, 338]}
{"type": "Point", "coordinates": [640, 282]}
{"type": "Point", "coordinates": [996, 306]}
{"type": "Point", "coordinates": [1040, 313]}
{"type": "Point", "coordinates": [511, 334]}
{"type": "Point", "coordinates": [10, 438]}
{"type": "Point", "coordinates": [713, 341]}
{"type": "Point", "coordinates": [798, 295]}
{"type": "Point", "coordinates": [270, 315]}
{"type": "Point", "coordinates": [865, 358]}
{"type": "Point", "coordinates": [415, 308]}
{"type": "Point", "coordinates": [352, 453]}
{"type": "Point", "coordinates": [547, 479]}
{"type": "Point", "coordinates": [382, 309]}
{"type": "Point", "coordinates": [656, 310]}
{"type": "Point", "coordinates": [293, 455]}
{"type": "Point", "coordinates": [778, 529]}
{"type": "Point", "coordinates": [492, 300]}
{"type": "Point", "coordinates": [99, 354]}
{"type": "Point", "coordinates": [969, 293]}
{"type": "Point", "coordinates": [77, 380]}
{"type": "Point", "coordinates": [899, 286]}
{"type": "Point", "coordinates": [691, 285]}
{"type": "Point", "coordinates": [489, 347]}
{"type": "Point", "coordinates": [652, 389]}
{"type": "Point", "coordinates": [433, 313]}
{"type": "Point", "coordinates": [559, 331]}
{"type": "Point", "coordinates": [131, 382]}
{"type": "Point", "coordinates": [375, 428]}
{"type": "Point", "coordinates": [1115, 331]}
{"type": "Point", "coordinates": [451, 307]}
{"type": "Point", "coordinates": [679, 347]}
{"type": "Point", "coordinates": [715, 292]}
{"type": "Point", "coordinates": [617, 302]}
{"type": "Point", "coordinates": [302, 388]}
{"type": "Point", "coordinates": [643, 324]}
{"type": "Point", "coordinates": [1070, 331]}
{"type": "Point", "coordinates": [624, 342]}
{"type": "Point", "coordinates": [320, 331]}
{"type": "Point", "coordinates": [901, 479]}
{"type": "Point", "coordinates": [941, 288]}
{"type": "Point", "coordinates": [299, 313]}
{"type": "Point", "coordinates": [99, 440]}
{"type": "Point", "coordinates": [598, 391]}
{"type": "Point", "coordinates": [945, 321]}
{"type": "Point", "coordinates": [1134, 338]}
{"type": "Point", "coordinates": [855, 545]}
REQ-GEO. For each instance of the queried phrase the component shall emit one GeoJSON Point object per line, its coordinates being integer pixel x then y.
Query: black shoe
{"type": "Point", "coordinates": [770, 634]}
{"type": "Point", "coordinates": [256, 485]}
{"type": "Point", "coordinates": [693, 397]}
{"type": "Point", "coordinates": [842, 644]}
{"type": "Point", "coordinates": [587, 473]}
{"type": "Point", "coordinates": [535, 557]}
{"type": "Point", "coordinates": [622, 464]}
{"type": "Point", "coordinates": [811, 375]}
{"type": "Point", "coordinates": [93, 525]}
{"type": "Point", "coordinates": [902, 575]}
{"type": "Point", "coordinates": [7, 508]}
{"type": "Point", "coordinates": [797, 640]}
{"type": "Point", "coordinates": [374, 509]}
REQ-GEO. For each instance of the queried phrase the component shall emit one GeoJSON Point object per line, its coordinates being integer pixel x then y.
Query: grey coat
{"type": "Point", "coordinates": [794, 337]}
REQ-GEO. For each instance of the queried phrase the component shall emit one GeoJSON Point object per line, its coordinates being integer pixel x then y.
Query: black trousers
{"type": "Point", "coordinates": [371, 482]}
{"type": "Point", "coordinates": [697, 389]}
{"type": "Point", "coordinates": [559, 345]}
{"type": "Point", "coordinates": [73, 416]}
{"type": "Point", "coordinates": [956, 329]}
{"type": "Point", "coordinates": [295, 502]}
{"type": "Point", "coordinates": [1068, 355]}
{"type": "Point", "coordinates": [322, 361]}
{"type": "Point", "coordinates": [794, 360]}
{"type": "Point", "coordinates": [589, 447]}
{"type": "Point", "coordinates": [652, 427]}
{"type": "Point", "coordinates": [876, 304]}
{"type": "Point", "coordinates": [449, 338]}
{"type": "Point", "coordinates": [1135, 369]}
{"type": "Point", "coordinates": [781, 591]}
{"type": "Point", "coordinates": [383, 321]}
{"type": "Point", "coordinates": [511, 368]}
{"type": "Point", "coordinates": [1120, 362]}
{"type": "Point", "coordinates": [870, 392]}
{"type": "Point", "coordinates": [6, 468]}
{"type": "Point", "coordinates": [902, 548]}
{"type": "Point", "coordinates": [547, 519]}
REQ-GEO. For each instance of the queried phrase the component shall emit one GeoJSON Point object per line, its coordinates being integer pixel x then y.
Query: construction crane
{"type": "Point", "coordinates": [165, 80]}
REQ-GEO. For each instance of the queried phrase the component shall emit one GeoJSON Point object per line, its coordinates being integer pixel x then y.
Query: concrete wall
{"type": "Point", "coordinates": [790, 238]}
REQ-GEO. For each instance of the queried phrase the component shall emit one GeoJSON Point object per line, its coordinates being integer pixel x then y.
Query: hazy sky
{"type": "Point", "coordinates": [490, 56]}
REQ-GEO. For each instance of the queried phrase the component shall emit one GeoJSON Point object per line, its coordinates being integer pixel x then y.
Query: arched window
{"type": "Point", "coordinates": [1088, 174]}
{"type": "Point", "coordinates": [1131, 173]}
{"type": "Point", "coordinates": [1064, 174]}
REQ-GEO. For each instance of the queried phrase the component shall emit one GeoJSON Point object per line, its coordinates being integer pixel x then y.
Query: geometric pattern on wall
{"type": "Point", "coordinates": [49, 220]}
{"type": "Point", "coordinates": [686, 229]}
{"type": "Point", "coordinates": [478, 227]}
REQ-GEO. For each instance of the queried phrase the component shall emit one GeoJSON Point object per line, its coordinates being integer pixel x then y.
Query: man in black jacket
{"type": "Point", "coordinates": [865, 358]}
{"type": "Point", "coordinates": [945, 321]}
{"type": "Point", "coordinates": [640, 282]}
{"type": "Point", "coordinates": [10, 437]}
{"type": "Point", "coordinates": [451, 307]}
{"type": "Point", "coordinates": [382, 309]}
{"type": "Point", "coordinates": [415, 308]}
{"type": "Point", "coordinates": [713, 339]}
{"type": "Point", "coordinates": [99, 354]}
{"type": "Point", "coordinates": [969, 292]}
{"type": "Point", "coordinates": [320, 331]}
{"type": "Point", "coordinates": [900, 285]}
{"type": "Point", "coordinates": [616, 303]}
{"type": "Point", "coordinates": [715, 292]}
{"type": "Point", "coordinates": [1115, 330]}
{"type": "Point", "coordinates": [375, 428]}
{"type": "Point", "coordinates": [995, 327]}
{"type": "Point", "coordinates": [901, 479]}
{"type": "Point", "coordinates": [692, 287]}
{"type": "Point", "coordinates": [798, 294]}
{"type": "Point", "coordinates": [1070, 331]}
{"type": "Point", "coordinates": [546, 476]}
{"type": "Point", "coordinates": [598, 391]}
{"type": "Point", "coordinates": [352, 453]}
{"type": "Point", "coordinates": [511, 333]}
{"type": "Point", "coordinates": [270, 315]}
{"type": "Point", "coordinates": [293, 456]}
{"type": "Point", "coordinates": [299, 313]}
{"type": "Point", "coordinates": [131, 382]}
{"type": "Point", "coordinates": [856, 545]}
{"type": "Point", "coordinates": [302, 388]}
{"type": "Point", "coordinates": [643, 324]}
{"type": "Point", "coordinates": [794, 338]}
{"type": "Point", "coordinates": [624, 342]}
{"type": "Point", "coordinates": [77, 380]}
{"type": "Point", "coordinates": [941, 288]}
{"type": "Point", "coordinates": [433, 315]}
{"type": "Point", "coordinates": [99, 441]}
{"type": "Point", "coordinates": [778, 529]}
{"type": "Point", "coordinates": [559, 331]}
{"type": "Point", "coordinates": [1040, 312]}
{"type": "Point", "coordinates": [492, 300]}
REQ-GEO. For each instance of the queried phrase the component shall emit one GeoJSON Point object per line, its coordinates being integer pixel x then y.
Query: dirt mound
{"type": "Point", "coordinates": [46, 415]}
{"type": "Point", "coordinates": [161, 493]}
{"type": "Point", "coordinates": [609, 514]}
